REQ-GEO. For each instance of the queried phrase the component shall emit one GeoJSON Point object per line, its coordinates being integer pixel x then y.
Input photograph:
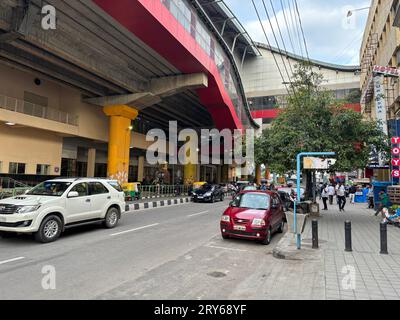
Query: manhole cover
{"type": "Point", "coordinates": [217, 274]}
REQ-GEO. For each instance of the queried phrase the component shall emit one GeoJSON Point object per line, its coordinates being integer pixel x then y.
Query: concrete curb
{"type": "Point", "coordinates": [286, 250]}
{"type": "Point", "coordinates": [157, 204]}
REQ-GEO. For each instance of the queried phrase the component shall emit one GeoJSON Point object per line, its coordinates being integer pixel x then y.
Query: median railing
{"type": "Point", "coordinates": [11, 188]}
{"type": "Point", "coordinates": [150, 191]}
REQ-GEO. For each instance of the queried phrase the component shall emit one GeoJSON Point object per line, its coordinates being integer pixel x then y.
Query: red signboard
{"type": "Point", "coordinates": [387, 71]}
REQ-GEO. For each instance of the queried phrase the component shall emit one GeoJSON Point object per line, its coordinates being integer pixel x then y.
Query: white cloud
{"type": "Point", "coordinates": [330, 35]}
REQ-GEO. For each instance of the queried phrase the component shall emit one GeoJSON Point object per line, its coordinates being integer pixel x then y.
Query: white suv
{"type": "Point", "coordinates": [54, 205]}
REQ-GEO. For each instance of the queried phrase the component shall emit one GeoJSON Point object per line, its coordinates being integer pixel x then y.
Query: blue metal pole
{"type": "Point", "coordinates": [299, 156]}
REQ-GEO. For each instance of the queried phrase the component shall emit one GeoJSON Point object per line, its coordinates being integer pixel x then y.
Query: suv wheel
{"type": "Point", "coordinates": [112, 218]}
{"type": "Point", "coordinates": [49, 230]}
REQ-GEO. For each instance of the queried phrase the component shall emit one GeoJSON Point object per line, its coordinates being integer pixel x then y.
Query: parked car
{"type": "Point", "coordinates": [285, 198]}
{"type": "Point", "coordinates": [253, 215]}
{"type": "Point", "coordinates": [224, 187]}
{"type": "Point", "coordinates": [208, 193]}
{"type": "Point", "coordinates": [55, 205]}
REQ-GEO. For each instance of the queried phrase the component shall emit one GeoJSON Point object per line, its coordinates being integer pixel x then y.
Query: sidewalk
{"type": "Point", "coordinates": [376, 276]}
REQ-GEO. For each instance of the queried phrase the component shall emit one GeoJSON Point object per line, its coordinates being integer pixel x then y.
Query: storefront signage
{"type": "Point", "coordinates": [395, 157]}
{"type": "Point", "coordinates": [386, 71]}
{"type": "Point", "coordinates": [318, 163]}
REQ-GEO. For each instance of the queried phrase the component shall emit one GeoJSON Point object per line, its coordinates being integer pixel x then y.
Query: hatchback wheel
{"type": "Point", "coordinates": [112, 218]}
{"type": "Point", "coordinates": [49, 230]}
{"type": "Point", "coordinates": [281, 227]}
{"type": "Point", "coordinates": [268, 237]}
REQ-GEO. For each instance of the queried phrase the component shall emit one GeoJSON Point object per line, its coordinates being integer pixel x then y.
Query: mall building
{"type": "Point", "coordinates": [78, 100]}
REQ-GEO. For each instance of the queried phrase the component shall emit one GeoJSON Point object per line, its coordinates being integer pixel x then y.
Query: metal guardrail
{"type": "Point", "coordinates": [11, 188]}
{"type": "Point", "coordinates": [8, 193]}
{"type": "Point", "coordinates": [148, 191]}
{"type": "Point", "coordinates": [35, 110]}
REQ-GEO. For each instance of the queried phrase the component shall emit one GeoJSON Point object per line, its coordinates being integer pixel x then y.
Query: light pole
{"type": "Point", "coordinates": [350, 12]}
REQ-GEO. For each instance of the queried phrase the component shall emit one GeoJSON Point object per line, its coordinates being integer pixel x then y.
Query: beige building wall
{"type": "Point", "coordinates": [380, 47]}
{"type": "Point", "coordinates": [261, 76]}
{"type": "Point", "coordinates": [29, 146]}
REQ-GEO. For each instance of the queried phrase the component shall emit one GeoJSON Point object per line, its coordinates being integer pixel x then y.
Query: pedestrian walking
{"type": "Point", "coordinates": [331, 193]}
{"type": "Point", "coordinates": [384, 202]}
{"type": "Point", "coordinates": [352, 192]}
{"type": "Point", "coordinates": [341, 196]}
{"type": "Point", "coordinates": [325, 196]}
{"type": "Point", "coordinates": [370, 196]}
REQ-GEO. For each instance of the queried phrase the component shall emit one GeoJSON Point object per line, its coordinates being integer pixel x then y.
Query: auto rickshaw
{"type": "Point", "coordinates": [132, 191]}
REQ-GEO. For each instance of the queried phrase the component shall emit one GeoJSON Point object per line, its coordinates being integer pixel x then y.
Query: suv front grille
{"type": "Point", "coordinates": [7, 209]}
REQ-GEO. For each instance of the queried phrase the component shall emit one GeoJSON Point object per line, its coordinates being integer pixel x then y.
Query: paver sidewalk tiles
{"type": "Point", "coordinates": [376, 276]}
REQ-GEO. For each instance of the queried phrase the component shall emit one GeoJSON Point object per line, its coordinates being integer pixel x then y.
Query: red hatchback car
{"type": "Point", "coordinates": [254, 215]}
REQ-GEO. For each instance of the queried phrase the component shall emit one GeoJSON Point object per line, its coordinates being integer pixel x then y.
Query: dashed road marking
{"type": "Point", "coordinates": [11, 260]}
{"type": "Point", "coordinates": [132, 230]}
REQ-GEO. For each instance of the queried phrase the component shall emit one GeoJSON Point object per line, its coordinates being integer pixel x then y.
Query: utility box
{"type": "Point", "coordinates": [301, 221]}
{"type": "Point", "coordinates": [314, 209]}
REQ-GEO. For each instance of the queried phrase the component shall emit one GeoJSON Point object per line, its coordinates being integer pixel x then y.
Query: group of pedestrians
{"type": "Point", "coordinates": [328, 192]}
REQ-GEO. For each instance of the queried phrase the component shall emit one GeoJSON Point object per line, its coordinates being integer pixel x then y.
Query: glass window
{"type": "Point", "coordinates": [97, 188]}
{"type": "Point", "coordinates": [254, 201]}
{"type": "Point", "coordinates": [42, 169]}
{"type": "Point", "coordinates": [50, 188]}
{"type": "Point", "coordinates": [82, 189]}
{"type": "Point", "coordinates": [115, 185]}
{"type": "Point", "coordinates": [16, 168]}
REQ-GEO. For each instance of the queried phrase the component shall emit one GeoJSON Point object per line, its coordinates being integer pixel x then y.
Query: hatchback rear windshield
{"type": "Point", "coordinates": [49, 188]}
{"type": "Point", "coordinates": [256, 201]}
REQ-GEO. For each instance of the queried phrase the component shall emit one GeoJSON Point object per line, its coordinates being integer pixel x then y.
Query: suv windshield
{"type": "Point", "coordinates": [257, 201]}
{"type": "Point", "coordinates": [50, 188]}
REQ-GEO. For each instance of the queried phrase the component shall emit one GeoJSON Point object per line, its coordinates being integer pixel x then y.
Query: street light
{"type": "Point", "coordinates": [350, 12]}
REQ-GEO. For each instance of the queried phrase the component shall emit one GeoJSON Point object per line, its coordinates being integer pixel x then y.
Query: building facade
{"type": "Point", "coordinates": [380, 60]}
{"type": "Point", "coordinates": [268, 93]}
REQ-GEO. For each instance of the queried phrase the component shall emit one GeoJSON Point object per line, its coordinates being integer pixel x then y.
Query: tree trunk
{"type": "Point", "coordinates": [308, 191]}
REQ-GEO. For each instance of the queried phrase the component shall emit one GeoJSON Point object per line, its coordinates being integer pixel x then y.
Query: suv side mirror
{"type": "Point", "coordinates": [73, 194]}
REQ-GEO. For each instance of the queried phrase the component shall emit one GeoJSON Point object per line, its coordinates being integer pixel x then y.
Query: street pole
{"type": "Point", "coordinates": [299, 156]}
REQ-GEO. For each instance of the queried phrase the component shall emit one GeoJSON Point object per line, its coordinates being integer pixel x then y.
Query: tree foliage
{"type": "Point", "coordinates": [314, 122]}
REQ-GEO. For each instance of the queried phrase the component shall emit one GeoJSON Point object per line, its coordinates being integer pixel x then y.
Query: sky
{"type": "Point", "coordinates": [330, 35]}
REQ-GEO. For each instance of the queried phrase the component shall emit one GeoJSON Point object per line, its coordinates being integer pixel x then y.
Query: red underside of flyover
{"type": "Point", "coordinates": [265, 114]}
{"type": "Point", "coordinates": [273, 113]}
{"type": "Point", "coordinates": [151, 22]}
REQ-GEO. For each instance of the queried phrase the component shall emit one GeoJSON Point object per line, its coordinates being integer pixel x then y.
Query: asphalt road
{"type": "Point", "coordinates": [165, 253]}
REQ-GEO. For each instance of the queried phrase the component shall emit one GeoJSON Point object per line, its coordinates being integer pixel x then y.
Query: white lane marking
{"type": "Point", "coordinates": [223, 248]}
{"type": "Point", "coordinates": [197, 214]}
{"type": "Point", "coordinates": [11, 260]}
{"type": "Point", "coordinates": [132, 230]}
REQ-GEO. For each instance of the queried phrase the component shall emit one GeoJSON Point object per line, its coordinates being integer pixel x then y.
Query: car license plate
{"type": "Point", "coordinates": [239, 228]}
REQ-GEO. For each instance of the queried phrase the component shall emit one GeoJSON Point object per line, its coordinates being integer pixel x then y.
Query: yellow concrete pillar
{"type": "Point", "coordinates": [190, 173]}
{"type": "Point", "coordinates": [119, 140]}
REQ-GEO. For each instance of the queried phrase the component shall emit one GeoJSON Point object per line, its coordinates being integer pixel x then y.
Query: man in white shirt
{"type": "Point", "coordinates": [341, 194]}
{"type": "Point", "coordinates": [331, 193]}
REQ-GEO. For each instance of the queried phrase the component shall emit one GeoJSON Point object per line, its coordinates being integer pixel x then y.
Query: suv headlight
{"type": "Point", "coordinates": [258, 222]}
{"type": "Point", "coordinates": [226, 218]}
{"type": "Point", "coordinates": [208, 194]}
{"type": "Point", "coordinates": [27, 209]}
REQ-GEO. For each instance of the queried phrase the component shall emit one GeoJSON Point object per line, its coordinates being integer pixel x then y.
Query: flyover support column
{"type": "Point", "coordinates": [119, 140]}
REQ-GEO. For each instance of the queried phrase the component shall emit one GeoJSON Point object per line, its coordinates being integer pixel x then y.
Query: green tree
{"type": "Point", "coordinates": [314, 122]}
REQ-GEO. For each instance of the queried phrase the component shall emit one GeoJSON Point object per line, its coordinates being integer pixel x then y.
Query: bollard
{"type": "Point", "coordinates": [315, 234]}
{"type": "Point", "coordinates": [347, 236]}
{"type": "Point", "coordinates": [383, 228]}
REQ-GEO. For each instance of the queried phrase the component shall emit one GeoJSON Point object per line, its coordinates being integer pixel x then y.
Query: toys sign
{"type": "Point", "coordinates": [396, 157]}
